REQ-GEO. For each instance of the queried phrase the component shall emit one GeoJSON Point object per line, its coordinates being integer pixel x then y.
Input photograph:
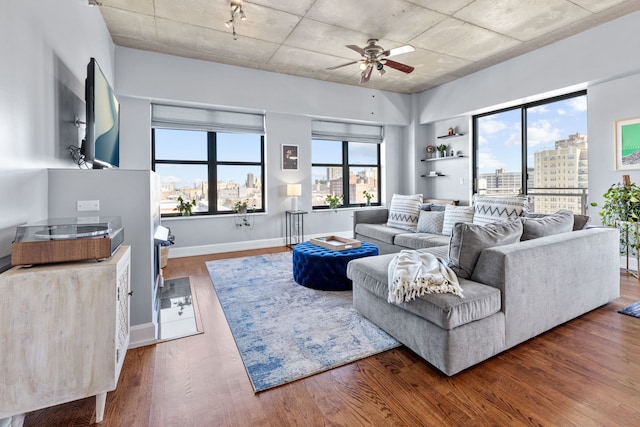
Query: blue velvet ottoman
{"type": "Point", "coordinates": [321, 268]}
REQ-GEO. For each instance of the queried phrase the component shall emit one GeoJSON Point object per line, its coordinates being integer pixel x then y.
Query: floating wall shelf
{"type": "Point", "coordinates": [450, 136]}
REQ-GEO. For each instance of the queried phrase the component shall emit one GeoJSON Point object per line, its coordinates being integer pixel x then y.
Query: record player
{"type": "Point", "coordinates": [66, 239]}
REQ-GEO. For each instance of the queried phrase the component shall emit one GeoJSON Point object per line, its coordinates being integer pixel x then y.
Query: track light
{"type": "Point", "coordinates": [236, 10]}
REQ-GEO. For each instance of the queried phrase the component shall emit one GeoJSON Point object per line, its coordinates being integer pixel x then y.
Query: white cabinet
{"type": "Point", "coordinates": [64, 333]}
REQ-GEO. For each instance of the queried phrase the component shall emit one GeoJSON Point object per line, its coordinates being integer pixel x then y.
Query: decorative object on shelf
{"type": "Point", "coordinates": [184, 207]}
{"type": "Point", "coordinates": [367, 196]}
{"type": "Point", "coordinates": [433, 173]}
{"type": "Point", "coordinates": [289, 157]}
{"type": "Point", "coordinates": [334, 201]}
{"type": "Point", "coordinates": [430, 151]}
{"type": "Point", "coordinates": [294, 191]}
{"type": "Point", "coordinates": [241, 211]}
{"type": "Point", "coordinates": [621, 210]}
{"type": "Point", "coordinates": [442, 150]}
{"type": "Point", "coordinates": [451, 131]}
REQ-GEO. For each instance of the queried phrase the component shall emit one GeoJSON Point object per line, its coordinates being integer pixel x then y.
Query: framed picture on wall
{"type": "Point", "coordinates": [289, 157]}
{"type": "Point", "coordinates": [628, 144]}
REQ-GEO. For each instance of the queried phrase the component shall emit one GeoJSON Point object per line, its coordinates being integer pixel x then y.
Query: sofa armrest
{"type": "Point", "coordinates": [550, 280]}
{"type": "Point", "coordinates": [370, 216]}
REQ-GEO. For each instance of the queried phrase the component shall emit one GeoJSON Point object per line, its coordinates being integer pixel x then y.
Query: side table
{"type": "Point", "coordinates": [294, 227]}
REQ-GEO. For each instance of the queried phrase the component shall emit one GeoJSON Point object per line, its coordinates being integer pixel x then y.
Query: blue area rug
{"type": "Point", "coordinates": [285, 331]}
{"type": "Point", "coordinates": [632, 310]}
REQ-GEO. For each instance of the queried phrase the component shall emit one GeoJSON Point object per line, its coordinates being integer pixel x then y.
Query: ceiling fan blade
{"type": "Point", "coordinates": [366, 74]}
{"type": "Point", "coordinates": [399, 50]}
{"type": "Point", "coordinates": [342, 65]}
{"type": "Point", "coordinates": [356, 48]}
{"type": "Point", "coordinates": [398, 66]}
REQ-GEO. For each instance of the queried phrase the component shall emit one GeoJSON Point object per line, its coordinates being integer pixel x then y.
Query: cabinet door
{"type": "Point", "coordinates": [122, 310]}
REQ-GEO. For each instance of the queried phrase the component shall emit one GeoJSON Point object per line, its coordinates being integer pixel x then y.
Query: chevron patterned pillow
{"type": "Point", "coordinates": [404, 212]}
{"type": "Point", "coordinates": [488, 209]}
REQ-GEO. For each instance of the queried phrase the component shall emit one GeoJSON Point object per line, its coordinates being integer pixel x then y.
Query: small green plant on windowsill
{"type": "Point", "coordinates": [367, 196]}
{"type": "Point", "coordinates": [184, 207]}
{"type": "Point", "coordinates": [241, 206]}
{"type": "Point", "coordinates": [334, 201]}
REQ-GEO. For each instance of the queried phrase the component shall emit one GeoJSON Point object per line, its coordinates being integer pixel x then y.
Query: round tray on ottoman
{"type": "Point", "coordinates": [326, 269]}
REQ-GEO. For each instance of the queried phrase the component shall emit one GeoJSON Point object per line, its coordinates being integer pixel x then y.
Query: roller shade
{"type": "Point", "coordinates": [169, 116]}
{"type": "Point", "coordinates": [353, 132]}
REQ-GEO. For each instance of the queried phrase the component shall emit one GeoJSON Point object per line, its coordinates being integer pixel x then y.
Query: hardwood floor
{"type": "Point", "coordinates": [583, 373]}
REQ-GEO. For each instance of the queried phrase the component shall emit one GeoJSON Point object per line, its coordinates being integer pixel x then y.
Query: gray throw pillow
{"type": "Point", "coordinates": [469, 240]}
{"type": "Point", "coordinates": [559, 222]}
{"type": "Point", "coordinates": [430, 222]}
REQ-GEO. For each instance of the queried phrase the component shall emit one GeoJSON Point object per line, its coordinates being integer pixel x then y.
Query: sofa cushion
{"type": "Point", "coordinates": [469, 240]}
{"type": "Point", "coordinates": [454, 214]}
{"type": "Point", "coordinates": [430, 222]}
{"type": "Point", "coordinates": [420, 240]}
{"type": "Point", "coordinates": [378, 231]}
{"type": "Point", "coordinates": [444, 310]}
{"type": "Point", "coordinates": [488, 209]}
{"type": "Point", "coordinates": [580, 222]}
{"type": "Point", "coordinates": [404, 211]}
{"type": "Point", "coordinates": [559, 222]}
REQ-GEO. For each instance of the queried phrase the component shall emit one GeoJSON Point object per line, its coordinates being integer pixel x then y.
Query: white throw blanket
{"type": "Point", "coordinates": [413, 274]}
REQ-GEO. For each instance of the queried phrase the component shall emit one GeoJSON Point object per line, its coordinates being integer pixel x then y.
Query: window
{"type": "Point", "coordinates": [190, 156]}
{"type": "Point", "coordinates": [533, 137]}
{"type": "Point", "coordinates": [345, 160]}
{"type": "Point", "coordinates": [340, 165]}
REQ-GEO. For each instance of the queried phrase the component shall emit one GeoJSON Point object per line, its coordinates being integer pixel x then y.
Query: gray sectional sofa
{"type": "Point", "coordinates": [514, 292]}
{"type": "Point", "coordinates": [369, 225]}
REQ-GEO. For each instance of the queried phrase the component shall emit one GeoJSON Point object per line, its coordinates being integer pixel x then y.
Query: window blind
{"type": "Point", "coordinates": [354, 132]}
{"type": "Point", "coordinates": [171, 116]}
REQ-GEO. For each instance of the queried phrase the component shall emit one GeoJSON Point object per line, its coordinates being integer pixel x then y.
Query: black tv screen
{"type": "Point", "coordinates": [102, 143]}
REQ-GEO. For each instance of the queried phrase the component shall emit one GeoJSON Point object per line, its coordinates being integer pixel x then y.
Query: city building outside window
{"type": "Point", "coordinates": [547, 140]}
{"type": "Point", "coordinates": [347, 169]}
{"type": "Point", "coordinates": [188, 161]}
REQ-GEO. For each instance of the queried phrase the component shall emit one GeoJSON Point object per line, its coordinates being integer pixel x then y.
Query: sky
{"type": "Point", "coordinates": [500, 134]}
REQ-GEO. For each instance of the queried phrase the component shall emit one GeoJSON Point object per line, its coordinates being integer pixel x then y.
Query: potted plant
{"type": "Point", "coordinates": [240, 206]}
{"type": "Point", "coordinates": [367, 196]}
{"type": "Point", "coordinates": [184, 207]}
{"type": "Point", "coordinates": [621, 209]}
{"type": "Point", "coordinates": [441, 149]}
{"type": "Point", "coordinates": [334, 201]}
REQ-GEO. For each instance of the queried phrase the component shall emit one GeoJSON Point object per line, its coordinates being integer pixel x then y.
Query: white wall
{"type": "Point", "coordinates": [45, 50]}
{"type": "Point", "coordinates": [603, 60]}
{"type": "Point", "coordinates": [289, 104]}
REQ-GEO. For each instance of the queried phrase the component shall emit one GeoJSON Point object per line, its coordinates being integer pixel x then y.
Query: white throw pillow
{"type": "Point", "coordinates": [489, 209]}
{"type": "Point", "coordinates": [404, 212]}
{"type": "Point", "coordinates": [455, 214]}
{"type": "Point", "coordinates": [430, 222]}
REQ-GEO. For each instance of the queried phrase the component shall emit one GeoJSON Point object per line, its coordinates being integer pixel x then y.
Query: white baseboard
{"type": "Point", "coordinates": [240, 246]}
{"type": "Point", "coordinates": [141, 335]}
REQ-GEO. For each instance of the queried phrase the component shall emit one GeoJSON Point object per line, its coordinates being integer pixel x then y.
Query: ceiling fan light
{"type": "Point", "coordinates": [363, 65]}
{"type": "Point", "coordinates": [242, 15]}
{"type": "Point", "coordinates": [228, 23]}
{"type": "Point", "coordinates": [381, 71]}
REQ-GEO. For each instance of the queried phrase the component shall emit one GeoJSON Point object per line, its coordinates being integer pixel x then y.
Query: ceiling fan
{"type": "Point", "coordinates": [374, 56]}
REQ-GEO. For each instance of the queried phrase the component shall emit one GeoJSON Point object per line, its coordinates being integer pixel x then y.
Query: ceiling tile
{"type": "Point", "coordinates": [138, 6]}
{"type": "Point", "coordinates": [262, 22]}
{"type": "Point", "coordinates": [463, 40]}
{"type": "Point", "coordinates": [213, 42]}
{"type": "Point", "coordinates": [296, 7]}
{"type": "Point", "coordinates": [396, 20]}
{"type": "Point", "coordinates": [133, 26]}
{"type": "Point", "coordinates": [443, 6]}
{"type": "Point", "coordinates": [523, 20]}
{"type": "Point", "coordinates": [597, 5]}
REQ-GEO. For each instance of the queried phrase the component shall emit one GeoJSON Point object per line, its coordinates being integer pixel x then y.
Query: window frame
{"type": "Point", "coordinates": [524, 175]}
{"type": "Point", "coordinates": [212, 164]}
{"type": "Point", "coordinates": [345, 166]}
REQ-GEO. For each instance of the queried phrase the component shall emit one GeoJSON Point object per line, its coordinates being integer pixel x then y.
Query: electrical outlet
{"type": "Point", "coordinates": [88, 205]}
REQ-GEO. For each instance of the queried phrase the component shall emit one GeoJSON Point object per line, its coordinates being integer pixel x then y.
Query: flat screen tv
{"type": "Point", "coordinates": [101, 146]}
